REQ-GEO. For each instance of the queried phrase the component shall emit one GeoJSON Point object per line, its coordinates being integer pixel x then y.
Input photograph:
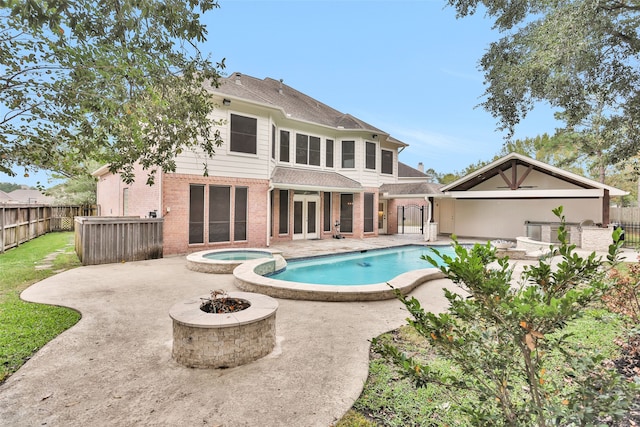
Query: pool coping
{"type": "Point", "coordinates": [196, 261]}
{"type": "Point", "coordinates": [249, 277]}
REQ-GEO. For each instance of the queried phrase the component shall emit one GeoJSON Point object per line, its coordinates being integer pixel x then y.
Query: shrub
{"type": "Point", "coordinates": [508, 340]}
{"type": "Point", "coordinates": [622, 295]}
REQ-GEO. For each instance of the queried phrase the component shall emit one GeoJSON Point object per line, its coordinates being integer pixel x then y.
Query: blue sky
{"type": "Point", "coordinates": [408, 67]}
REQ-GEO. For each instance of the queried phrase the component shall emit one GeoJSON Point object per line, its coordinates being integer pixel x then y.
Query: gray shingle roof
{"type": "Point", "coordinates": [284, 177]}
{"type": "Point", "coordinates": [412, 189]}
{"type": "Point", "coordinates": [295, 104]}
{"type": "Point", "coordinates": [406, 171]}
{"type": "Point", "coordinates": [30, 196]}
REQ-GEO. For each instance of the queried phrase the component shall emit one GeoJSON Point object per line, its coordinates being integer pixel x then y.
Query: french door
{"type": "Point", "coordinates": [306, 218]}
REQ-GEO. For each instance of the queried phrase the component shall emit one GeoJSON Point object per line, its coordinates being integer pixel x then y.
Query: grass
{"type": "Point", "coordinates": [388, 399]}
{"type": "Point", "coordinates": [27, 327]}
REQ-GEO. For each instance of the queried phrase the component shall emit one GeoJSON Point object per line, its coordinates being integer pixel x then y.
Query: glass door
{"type": "Point", "coordinates": [305, 216]}
{"type": "Point", "coordinates": [382, 217]}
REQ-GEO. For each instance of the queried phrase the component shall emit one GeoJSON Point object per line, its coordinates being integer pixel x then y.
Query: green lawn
{"type": "Point", "coordinates": [26, 327]}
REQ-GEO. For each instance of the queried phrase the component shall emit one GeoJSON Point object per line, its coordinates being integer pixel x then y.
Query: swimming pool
{"type": "Point", "coordinates": [257, 276]}
{"type": "Point", "coordinates": [359, 268]}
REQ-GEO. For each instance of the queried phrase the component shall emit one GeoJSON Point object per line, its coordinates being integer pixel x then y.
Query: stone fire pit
{"type": "Point", "coordinates": [225, 340]}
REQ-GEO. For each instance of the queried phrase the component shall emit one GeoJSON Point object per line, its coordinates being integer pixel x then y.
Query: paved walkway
{"type": "Point", "coordinates": [114, 368]}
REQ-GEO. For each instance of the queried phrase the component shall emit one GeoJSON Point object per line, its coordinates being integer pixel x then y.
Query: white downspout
{"type": "Point", "coordinates": [269, 213]}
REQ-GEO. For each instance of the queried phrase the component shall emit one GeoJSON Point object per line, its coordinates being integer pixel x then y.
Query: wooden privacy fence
{"type": "Point", "coordinates": [21, 222]}
{"type": "Point", "coordinates": [62, 216]}
{"type": "Point", "coordinates": [103, 240]}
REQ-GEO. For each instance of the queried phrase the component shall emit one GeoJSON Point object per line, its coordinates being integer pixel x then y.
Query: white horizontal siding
{"type": "Point", "coordinates": [240, 165]}
{"type": "Point", "coordinates": [227, 163]}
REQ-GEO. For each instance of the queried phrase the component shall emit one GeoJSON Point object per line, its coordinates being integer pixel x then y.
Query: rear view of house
{"type": "Point", "coordinates": [290, 168]}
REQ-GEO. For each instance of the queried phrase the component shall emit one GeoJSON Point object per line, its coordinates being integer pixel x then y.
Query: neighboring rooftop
{"type": "Point", "coordinates": [29, 196]}
{"type": "Point", "coordinates": [414, 189]}
{"type": "Point", "coordinates": [406, 171]}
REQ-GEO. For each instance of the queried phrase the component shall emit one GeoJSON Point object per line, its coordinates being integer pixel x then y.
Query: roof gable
{"type": "Point", "coordinates": [517, 172]}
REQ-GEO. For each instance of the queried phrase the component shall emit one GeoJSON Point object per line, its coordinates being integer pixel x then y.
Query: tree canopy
{"type": "Point", "coordinates": [117, 81]}
{"type": "Point", "coordinates": [579, 56]}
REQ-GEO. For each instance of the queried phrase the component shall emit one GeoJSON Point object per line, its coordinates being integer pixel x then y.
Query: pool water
{"type": "Point", "coordinates": [359, 268]}
{"type": "Point", "coordinates": [236, 255]}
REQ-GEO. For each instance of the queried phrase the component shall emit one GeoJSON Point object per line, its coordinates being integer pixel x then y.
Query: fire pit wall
{"type": "Point", "coordinates": [206, 340]}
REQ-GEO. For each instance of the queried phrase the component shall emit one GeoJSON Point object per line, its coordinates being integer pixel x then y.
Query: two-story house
{"type": "Point", "coordinates": [290, 168]}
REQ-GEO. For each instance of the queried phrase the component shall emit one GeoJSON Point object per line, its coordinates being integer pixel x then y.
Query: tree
{"type": "Point", "coordinates": [590, 142]}
{"type": "Point", "coordinates": [8, 187]}
{"type": "Point", "coordinates": [77, 190]}
{"type": "Point", "coordinates": [566, 53]}
{"type": "Point", "coordinates": [117, 81]}
{"type": "Point", "coordinates": [507, 342]}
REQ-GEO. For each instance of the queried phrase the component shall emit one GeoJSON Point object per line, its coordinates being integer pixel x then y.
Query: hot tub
{"type": "Point", "coordinates": [224, 261]}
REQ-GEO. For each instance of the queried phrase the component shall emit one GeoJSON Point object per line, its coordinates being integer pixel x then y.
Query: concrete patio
{"type": "Point", "coordinates": [115, 367]}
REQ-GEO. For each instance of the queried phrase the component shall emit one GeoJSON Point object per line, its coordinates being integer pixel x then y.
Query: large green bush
{"type": "Point", "coordinates": [507, 339]}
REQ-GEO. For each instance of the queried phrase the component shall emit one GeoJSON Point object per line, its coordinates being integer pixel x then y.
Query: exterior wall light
{"type": "Point", "coordinates": [226, 102]}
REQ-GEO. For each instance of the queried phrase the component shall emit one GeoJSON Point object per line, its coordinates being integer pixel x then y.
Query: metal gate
{"type": "Point", "coordinates": [627, 218]}
{"type": "Point", "coordinates": [411, 219]}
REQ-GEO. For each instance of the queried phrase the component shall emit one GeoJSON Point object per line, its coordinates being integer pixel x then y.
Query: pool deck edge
{"type": "Point", "coordinates": [246, 278]}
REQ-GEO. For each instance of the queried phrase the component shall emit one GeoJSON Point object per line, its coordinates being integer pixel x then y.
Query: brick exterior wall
{"type": "Point", "coordinates": [141, 198]}
{"type": "Point", "coordinates": [175, 209]}
{"type": "Point", "coordinates": [358, 216]}
{"type": "Point", "coordinates": [392, 212]}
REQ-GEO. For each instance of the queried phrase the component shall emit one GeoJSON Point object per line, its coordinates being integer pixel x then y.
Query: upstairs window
{"type": "Point", "coordinates": [348, 154]}
{"type": "Point", "coordinates": [387, 162]}
{"type": "Point", "coordinates": [284, 146]}
{"type": "Point", "coordinates": [244, 132]}
{"type": "Point", "coordinates": [273, 142]}
{"type": "Point", "coordinates": [307, 150]}
{"type": "Point", "coordinates": [370, 155]}
{"type": "Point", "coordinates": [329, 153]}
